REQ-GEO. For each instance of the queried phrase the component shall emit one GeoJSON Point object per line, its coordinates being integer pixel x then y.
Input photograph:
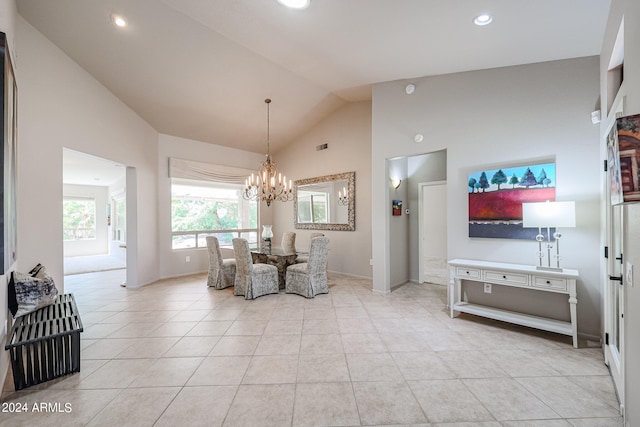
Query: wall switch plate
{"type": "Point", "coordinates": [187, 258]}
{"type": "Point", "coordinates": [629, 273]}
{"type": "Point", "coordinates": [487, 288]}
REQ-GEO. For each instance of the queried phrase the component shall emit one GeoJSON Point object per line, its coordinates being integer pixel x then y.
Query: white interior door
{"type": "Point", "coordinates": [432, 227]}
{"type": "Point", "coordinates": [614, 280]}
{"type": "Point", "coordinates": [614, 297]}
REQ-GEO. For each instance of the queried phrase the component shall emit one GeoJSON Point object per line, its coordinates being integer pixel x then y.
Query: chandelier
{"type": "Point", "coordinates": [268, 184]}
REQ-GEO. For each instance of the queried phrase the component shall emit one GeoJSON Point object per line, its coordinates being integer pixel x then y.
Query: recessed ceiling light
{"type": "Point", "coordinates": [295, 4]}
{"type": "Point", "coordinates": [118, 20]}
{"type": "Point", "coordinates": [483, 19]}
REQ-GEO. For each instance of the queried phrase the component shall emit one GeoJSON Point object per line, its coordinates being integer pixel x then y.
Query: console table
{"type": "Point", "coordinates": [519, 276]}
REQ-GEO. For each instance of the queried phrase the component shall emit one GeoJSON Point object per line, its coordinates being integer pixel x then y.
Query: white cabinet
{"type": "Point", "coordinates": [519, 276]}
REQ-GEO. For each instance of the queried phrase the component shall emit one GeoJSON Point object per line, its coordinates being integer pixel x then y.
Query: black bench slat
{"type": "Point", "coordinates": [45, 344]}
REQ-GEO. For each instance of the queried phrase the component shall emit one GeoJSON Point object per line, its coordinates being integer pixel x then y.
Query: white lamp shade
{"type": "Point", "coordinates": [549, 214]}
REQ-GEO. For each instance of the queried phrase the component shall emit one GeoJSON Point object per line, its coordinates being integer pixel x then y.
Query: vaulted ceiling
{"type": "Point", "coordinates": [201, 69]}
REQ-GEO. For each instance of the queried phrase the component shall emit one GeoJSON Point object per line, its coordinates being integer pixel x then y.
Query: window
{"type": "Point", "coordinates": [120, 217]}
{"type": "Point", "coordinates": [201, 208]}
{"type": "Point", "coordinates": [313, 207]}
{"type": "Point", "coordinates": [79, 218]}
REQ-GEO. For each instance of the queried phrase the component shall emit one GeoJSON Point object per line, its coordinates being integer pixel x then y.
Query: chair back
{"type": "Point", "coordinates": [244, 265]}
{"type": "Point", "coordinates": [289, 241]}
{"type": "Point", "coordinates": [318, 255]}
{"type": "Point", "coordinates": [314, 235]}
{"type": "Point", "coordinates": [215, 254]}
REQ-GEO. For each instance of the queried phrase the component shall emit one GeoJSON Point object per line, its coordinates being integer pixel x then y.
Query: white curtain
{"type": "Point", "coordinates": [190, 169]}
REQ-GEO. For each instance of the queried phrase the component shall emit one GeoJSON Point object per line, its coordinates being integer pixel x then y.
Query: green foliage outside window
{"type": "Point", "coordinates": [79, 219]}
{"type": "Point", "coordinates": [194, 215]}
{"type": "Point", "coordinates": [207, 208]}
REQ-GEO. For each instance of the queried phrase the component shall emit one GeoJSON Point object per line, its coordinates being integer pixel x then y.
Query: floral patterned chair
{"type": "Point", "coordinates": [305, 258]}
{"type": "Point", "coordinates": [252, 280]}
{"type": "Point", "coordinates": [222, 272]}
{"type": "Point", "coordinates": [289, 242]}
{"type": "Point", "coordinates": [310, 279]}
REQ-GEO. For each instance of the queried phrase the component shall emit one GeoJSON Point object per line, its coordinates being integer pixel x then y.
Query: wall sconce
{"type": "Point", "coordinates": [395, 182]}
{"type": "Point", "coordinates": [343, 197]}
{"type": "Point", "coordinates": [548, 215]}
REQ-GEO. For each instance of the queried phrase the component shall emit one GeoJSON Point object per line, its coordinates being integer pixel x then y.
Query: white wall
{"type": "Point", "coordinates": [61, 105]}
{"type": "Point", "coordinates": [99, 245]}
{"type": "Point", "coordinates": [173, 262]}
{"type": "Point", "coordinates": [496, 117]}
{"type": "Point", "coordinates": [8, 16]}
{"type": "Point", "coordinates": [399, 250]}
{"type": "Point", "coordinates": [631, 91]}
{"type": "Point", "coordinates": [348, 133]}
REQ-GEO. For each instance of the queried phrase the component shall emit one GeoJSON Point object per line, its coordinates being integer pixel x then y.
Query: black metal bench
{"type": "Point", "coordinates": [45, 344]}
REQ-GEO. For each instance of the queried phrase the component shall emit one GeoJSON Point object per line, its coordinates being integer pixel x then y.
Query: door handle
{"type": "Point", "coordinates": [616, 278]}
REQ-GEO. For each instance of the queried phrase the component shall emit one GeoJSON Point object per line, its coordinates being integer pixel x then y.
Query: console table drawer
{"type": "Point", "coordinates": [546, 283]}
{"type": "Point", "coordinates": [470, 273]}
{"type": "Point", "coordinates": [505, 277]}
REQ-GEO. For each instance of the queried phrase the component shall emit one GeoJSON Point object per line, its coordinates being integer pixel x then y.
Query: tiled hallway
{"type": "Point", "coordinates": [179, 353]}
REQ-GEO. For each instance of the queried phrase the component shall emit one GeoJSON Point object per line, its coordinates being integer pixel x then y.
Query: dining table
{"type": "Point", "coordinates": [265, 254]}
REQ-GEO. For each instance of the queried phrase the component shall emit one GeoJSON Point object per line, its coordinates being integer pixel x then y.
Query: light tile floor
{"type": "Point", "coordinates": [179, 353]}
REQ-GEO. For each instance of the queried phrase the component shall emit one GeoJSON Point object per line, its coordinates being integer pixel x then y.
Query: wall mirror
{"type": "Point", "coordinates": [325, 202]}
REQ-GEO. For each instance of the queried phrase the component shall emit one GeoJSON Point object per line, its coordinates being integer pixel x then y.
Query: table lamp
{"type": "Point", "coordinates": [549, 215]}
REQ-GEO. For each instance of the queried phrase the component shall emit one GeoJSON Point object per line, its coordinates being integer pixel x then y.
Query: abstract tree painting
{"type": "Point", "coordinates": [496, 197]}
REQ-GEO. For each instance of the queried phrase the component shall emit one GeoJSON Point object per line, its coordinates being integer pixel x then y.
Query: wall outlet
{"type": "Point", "coordinates": [187, 258]}
{"type": "Point", "coordinates": [629, 273]}
{"type": "Point", "coordinates": [487, 288]}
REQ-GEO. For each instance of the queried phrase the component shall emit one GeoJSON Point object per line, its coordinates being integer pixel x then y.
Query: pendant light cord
{"type": "Point", "coordinates": [268, 101]}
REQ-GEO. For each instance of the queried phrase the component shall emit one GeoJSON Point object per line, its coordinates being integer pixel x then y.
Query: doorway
{"type": "Point", "coordinates": [90, 185]}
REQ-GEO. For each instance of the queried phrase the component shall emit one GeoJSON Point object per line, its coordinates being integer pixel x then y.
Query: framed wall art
{"type": "Point", "coordinates": [496, 197]}
{"type": "Point", "coordinates": [628, 141]}
{"type": "Point", "coordinates": [396, 207]}
{"type": "Point", "coordinates": [8, 89]}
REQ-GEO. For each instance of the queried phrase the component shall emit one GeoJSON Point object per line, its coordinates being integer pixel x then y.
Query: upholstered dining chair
{"type": "Point", "coordinates": [253, 280]}
{"type": "Point", "coordinates": [310, 279]}
{"type": "Point", "coordinates": [305, 258]}
{"type": "Point", "coordinates": [222, 272]}
{"type": "Point", "coordinates": [289, 242]}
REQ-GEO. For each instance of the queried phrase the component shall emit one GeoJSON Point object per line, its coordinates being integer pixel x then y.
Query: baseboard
{"type": "Point", "coordinates": [595, 338]}
{"type": "Point", "coordinates": [348, 274]}
{"type": "Point", "coordinates": [175, 276]}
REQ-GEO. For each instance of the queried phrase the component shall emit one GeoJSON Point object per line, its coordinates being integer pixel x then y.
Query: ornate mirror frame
{"type": "Point", "coordinates": [351, 213]}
